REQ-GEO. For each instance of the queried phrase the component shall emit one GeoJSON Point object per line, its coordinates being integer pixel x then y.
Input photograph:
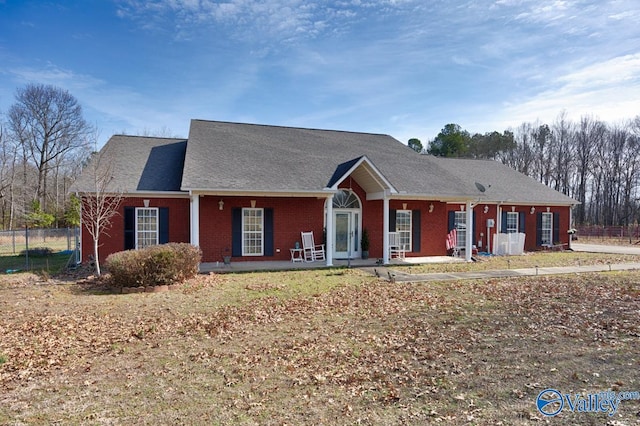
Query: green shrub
{"type": "Point", "coordinates": [156, 265]}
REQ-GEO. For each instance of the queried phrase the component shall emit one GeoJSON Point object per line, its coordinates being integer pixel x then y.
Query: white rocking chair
{"type": "Point", "coordinates": [395, 248]}
{"type": "Point", "coordinates": [312, 252]}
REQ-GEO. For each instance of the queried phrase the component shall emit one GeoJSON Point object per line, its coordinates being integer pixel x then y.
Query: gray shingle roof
{"type": "Point", "coordinates": [502, 183]}
{"type": "Point", "coordinates": [223, 156]}
{"type": "Point", "coordinates": [139, 164]}
{"type": "Point", "coordinates": [251, 157]}
{"type": "Point", "coordinates": [233, 156]}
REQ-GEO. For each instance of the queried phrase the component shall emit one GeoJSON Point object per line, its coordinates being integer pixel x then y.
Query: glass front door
{"type": "Point", "coordinates": [346, 242]}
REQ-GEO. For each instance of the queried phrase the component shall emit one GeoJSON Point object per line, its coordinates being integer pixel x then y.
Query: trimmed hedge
{"type": "Point", "coordinates": [164, 264]}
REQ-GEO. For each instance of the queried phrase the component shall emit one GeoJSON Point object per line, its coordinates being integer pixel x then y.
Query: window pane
{"type": "Point", "coordinates": [345, 200]}
{"type": "Point", "coordinates": [252, 232]}
{"type": "Point", "coordinates": [403, 228]}
{"type": "Point", "coordinates": [460, 223]}
{"type": "Point", "coordinates": [146, 227]}
{"type": "Point", "coordinates": [512, 222]}
{"type": "Point", "coordinates": [547, 228]}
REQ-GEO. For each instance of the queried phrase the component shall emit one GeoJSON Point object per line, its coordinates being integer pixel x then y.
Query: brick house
{"type": "Point", "coordinates": [248, 191]}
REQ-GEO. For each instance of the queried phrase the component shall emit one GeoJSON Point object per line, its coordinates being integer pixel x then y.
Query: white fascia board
{"type": "Point", "coordinates": [375, 195]}
{"type": "Point", "coordinates": [236, 193]}
{"type": "Point", "coordinates": [140, 194]}
{"type": "Point", "coordinates": [431, 197]}
{"type": "Point", "coordinates": [513, 203]}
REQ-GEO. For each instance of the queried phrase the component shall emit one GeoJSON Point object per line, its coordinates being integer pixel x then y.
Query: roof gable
{"type": "Point", "coordinates": [365, 173]}
{"type": "Point", "coordinates": [139, 164]}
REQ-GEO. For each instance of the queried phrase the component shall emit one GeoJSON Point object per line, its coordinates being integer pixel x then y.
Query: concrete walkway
{"type": "Point", "coordinates": [602, 248]}
{"type": "Point", "coordinates": [394, 275]}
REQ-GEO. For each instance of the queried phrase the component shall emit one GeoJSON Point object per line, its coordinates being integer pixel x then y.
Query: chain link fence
{"type": "Point", "coordinates": [629, 233]}
{"type": "Point", "coordinates": [29, 249]}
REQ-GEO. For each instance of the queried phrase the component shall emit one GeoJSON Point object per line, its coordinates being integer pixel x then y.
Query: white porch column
{"type": "Point", "coordinates": [329, 231]}
{"type": "Point", "coordinates": [385, 229]}
{"type": "Point", "coordinates": [469, 240]}
{"type": "Point", "coordinates": [194, 228]}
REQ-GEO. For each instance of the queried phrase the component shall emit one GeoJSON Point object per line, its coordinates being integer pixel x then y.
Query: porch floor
{"type": "Point", "coordinates": [283, 265]}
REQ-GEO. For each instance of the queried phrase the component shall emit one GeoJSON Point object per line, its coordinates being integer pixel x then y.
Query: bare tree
{"type": "Point", "coordinates": [162, 132]}
{"type": "Point", "coordinates": [592, 161]}
{"type": "Point", "coordinates": [589, 135]}
{"type": "Point", "coordinates": [542, 140]}
{"type": "Point", "coordinates": [562, 153]}
{"type": "Point", "coordinates": [7, 175]}
{"type": "Point", "coordinates": [99, 206]}
{"type": "Point", "coordinates": [520, 156]}
{"type": "Point", "coordinates": [47, 122]}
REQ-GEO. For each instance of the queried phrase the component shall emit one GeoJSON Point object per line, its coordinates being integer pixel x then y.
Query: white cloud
{"type": "Point", "coordinates": [113, 109]}
{"type": "Point", "coordinates": [619, 70]}
{"type": "Point", "coordinates": [280, 20]}
{"type": "Point", "coordinates": [53, 75]}
{"type": "Point", "coordinates": [609, 89]}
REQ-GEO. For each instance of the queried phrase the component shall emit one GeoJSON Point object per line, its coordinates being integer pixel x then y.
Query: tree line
{"type": "Point", "coordinates": [595, 162]}
{"type": "Point", "coordinates": [44, 142]}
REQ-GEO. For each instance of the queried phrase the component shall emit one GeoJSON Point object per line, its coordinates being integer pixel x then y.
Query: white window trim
{"type": "Point", "coordinates": [548, 230]}
{"type": "Point", "coordinates": [244, 232]}
{"type": "Point", "coordinates": [406, 247]}
{"type": "Point", "coordinates": [517, 216]}
{"type": "Point", "coordinates": [157, 230]}
{"type": "Point", "coordinates": [461, 228]}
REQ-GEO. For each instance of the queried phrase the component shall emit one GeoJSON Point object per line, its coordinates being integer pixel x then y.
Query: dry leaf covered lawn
{"type": "Point", "coordinates": [316, 347]}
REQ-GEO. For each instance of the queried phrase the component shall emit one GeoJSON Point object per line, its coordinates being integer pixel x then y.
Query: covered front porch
{"type": "Point", "coordinates": [284, 265]}
{"type": "Point", "coordinates": [260, 229]}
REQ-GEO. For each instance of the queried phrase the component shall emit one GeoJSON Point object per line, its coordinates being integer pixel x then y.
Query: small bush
{"type": "Point", "coordinates": [156, 265]}
{"type": "Point", "coordinates": [37, 252]}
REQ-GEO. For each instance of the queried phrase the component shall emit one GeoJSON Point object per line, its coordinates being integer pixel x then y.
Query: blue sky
{"type": "Point", "coordinates": [399, 67]}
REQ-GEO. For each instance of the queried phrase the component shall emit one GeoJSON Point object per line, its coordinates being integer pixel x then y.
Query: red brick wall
{"type": "Point", "coordinates": [290, 217]}
{"type": "Point", "coordinates": [434, 229]}
{"type": "Point", "coordinates": [434, 226]}
{"type": "Point", "coordinates": [293, 215]}
{"type": "Point", "coordinates": [529, 222]}
{"type": "Point", "coordinates": [481, 226]}
{"type": "Point", "coordinates": [178, 225]}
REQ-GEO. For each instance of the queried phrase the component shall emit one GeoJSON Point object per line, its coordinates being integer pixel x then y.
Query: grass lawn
{"type": "Point", "coordinates": [316, 347]}
{"type": "Point", "coordinates": [527, 260]}
{"type": "Point", "coordinates": [49, 264]}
